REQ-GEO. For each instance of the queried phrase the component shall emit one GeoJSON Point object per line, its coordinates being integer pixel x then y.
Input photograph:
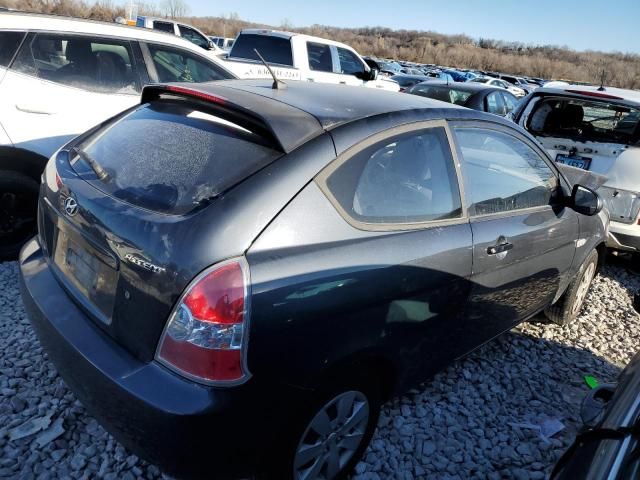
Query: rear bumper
{"type": "Point", "coordinates": [624, 236]}
{"type": "Point", "coordinates": [187, 429]}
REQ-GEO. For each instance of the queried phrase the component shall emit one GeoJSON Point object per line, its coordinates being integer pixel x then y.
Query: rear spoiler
{"type": "Point", "coordinates": [282, 125]}
{"type": "Point", "coordinates": [221, 106]}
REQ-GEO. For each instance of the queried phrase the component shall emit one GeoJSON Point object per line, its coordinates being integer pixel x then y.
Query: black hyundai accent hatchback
{"type": "Point", "coordinates": [232, 278]}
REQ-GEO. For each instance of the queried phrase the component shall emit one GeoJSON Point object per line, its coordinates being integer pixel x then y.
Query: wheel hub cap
{"type": "Point", "coordinates": [332, 437]}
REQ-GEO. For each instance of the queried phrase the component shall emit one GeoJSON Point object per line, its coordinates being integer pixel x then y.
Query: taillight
{"type": "Point", "coordinates": [205, 337]}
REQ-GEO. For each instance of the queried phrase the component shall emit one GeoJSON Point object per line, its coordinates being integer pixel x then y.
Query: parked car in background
{"type": "Point", "coordinates": [407, 81]}
{"type": "Point", "coordinates": [313, 252]}
{"type": "Point", "coordinates": [609, 443]}
{"type": "Point", "coordinates": [496, 82]}
{"type": "Point", "coordinates": [440, 75]}
{"type": "Point", "coordinates": [187, 32]}
{"type": "Point", "coordinates": [456, 75]}
{"type": "Point", "coordinates": [471, 95]}
{"type": "Point", "coordinates": [595, 129]}
{"type": "Point", "coordinates": [294, 56]}
{"type": "Point", "coordinates": [519, 82]}
{"type": "Point", "coordinates": [410, 71]}
{"type": "Point", "coordinates": [223, 42]}
{"type": "Point", "coordinates": [60, 76]}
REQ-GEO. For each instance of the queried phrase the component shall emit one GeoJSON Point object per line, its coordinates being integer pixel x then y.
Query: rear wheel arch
{"type": "Point", "coordinates": [22, 161]}
{"type": "Point", "coordinates": [374, 366]}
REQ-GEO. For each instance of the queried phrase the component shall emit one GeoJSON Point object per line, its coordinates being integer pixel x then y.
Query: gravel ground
{"type": "Point", "coordinates": [466, 423]}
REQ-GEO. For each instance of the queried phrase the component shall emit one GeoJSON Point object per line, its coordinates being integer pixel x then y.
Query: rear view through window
{"type": "Point", "coordinates": [170, 158]}
{"type": "Point", "coordinates": [585, 120]}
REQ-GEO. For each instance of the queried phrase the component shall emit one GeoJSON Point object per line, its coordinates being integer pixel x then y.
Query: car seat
{"type": "Point", "coordinates": [82, 61]}
{"type": "Point", "coordinates": [111, 71]}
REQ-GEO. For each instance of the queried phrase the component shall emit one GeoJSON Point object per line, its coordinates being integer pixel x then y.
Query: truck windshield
{"type": "Point", "coordinates": [273, 49]}
{"type": "Point", "coordinates": [585, 120]}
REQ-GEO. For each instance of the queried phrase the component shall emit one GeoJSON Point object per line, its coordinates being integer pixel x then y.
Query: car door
{"type": "Point", "coordinates": [523, 238]}
{"type": "Point", "coordinates": [330, 64]}
{"type": "Point", "coordinates": [399, 194]}
{"type": "Point", "coordinates": [60, 85]}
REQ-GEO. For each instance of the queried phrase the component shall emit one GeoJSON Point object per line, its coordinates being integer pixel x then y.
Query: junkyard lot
{"type": "Point", "coordinates": [458, 425]}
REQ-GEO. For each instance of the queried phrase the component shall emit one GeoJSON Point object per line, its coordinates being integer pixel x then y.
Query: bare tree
{"type": "Point", "coordinates": [175, 8]}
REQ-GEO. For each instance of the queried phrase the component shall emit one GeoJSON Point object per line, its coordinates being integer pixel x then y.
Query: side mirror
{"type": "Point", "coordinates": [373, 74]}
{"type": "Point", "coordinates": [585, 201]}
{"type": "Point", "coordinates": [212, 45]}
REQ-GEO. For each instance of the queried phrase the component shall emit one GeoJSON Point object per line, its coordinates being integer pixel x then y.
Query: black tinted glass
{"type": "Point", "coordinates": [9, 43]}
{"type": "Point", "coordinates": [272, 49]}
{"type": "Point", "coordinates": [349, 62]}
{"type": "Point", "coordinates": [163, 27]}
{"type": "Point", "coordinates": [404, 179]}
{"type": "Point", "coordinates": [319, 57]}
{"type": "Point", "coordinates": [170, 158]}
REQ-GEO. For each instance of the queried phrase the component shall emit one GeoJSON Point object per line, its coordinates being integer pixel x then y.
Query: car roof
{"type": "Point", "coordinates": [289, 35]}
{"type": "Point", "coordinates": [465, 86]}
{"type": "Point", "coordinates": [58, 23]}
{"type": "Point", "coordinates": [303, 110]}
{"type": "Point", "coordinates": [409, 75]}
{"type": "Point", "coordinates": [592, 92]}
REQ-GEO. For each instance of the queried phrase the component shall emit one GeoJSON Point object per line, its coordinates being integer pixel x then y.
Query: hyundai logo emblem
{"type": "Point", "coordinates": [70, 206]}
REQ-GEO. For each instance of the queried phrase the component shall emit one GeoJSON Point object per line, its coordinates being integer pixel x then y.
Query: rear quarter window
{"type": "Point", "coordinates": [171, 158]}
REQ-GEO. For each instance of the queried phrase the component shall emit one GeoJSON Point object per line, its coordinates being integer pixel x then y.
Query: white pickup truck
{"type": "Point", "coordinates": [294, 56]}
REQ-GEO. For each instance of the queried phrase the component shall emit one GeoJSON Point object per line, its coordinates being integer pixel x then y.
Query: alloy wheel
{"type": "Point", "coordinates": [583, 288]}
{"type": "Point", "coordinates": [332, 437]}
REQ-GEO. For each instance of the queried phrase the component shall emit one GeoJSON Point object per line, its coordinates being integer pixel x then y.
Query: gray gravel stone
{"type": "Point", "coordinates": [456, 426]}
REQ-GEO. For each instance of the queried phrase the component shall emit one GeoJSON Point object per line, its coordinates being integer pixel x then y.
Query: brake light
{"type": "Point", "coordinates": [595, 94]}
{"type": "Point", "coordinates": [205, 337]}
{"type": "Point", "coordinates": [196, 94]}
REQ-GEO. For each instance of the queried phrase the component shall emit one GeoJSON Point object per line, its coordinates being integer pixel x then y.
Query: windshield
{"type": "Point", "coordinates": [585, 120]}
{"type": "Point", "coordinates": [169, 157]}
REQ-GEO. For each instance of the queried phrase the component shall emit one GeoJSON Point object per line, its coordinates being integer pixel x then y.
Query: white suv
{"type": "Point", "coordinates": [595, 129]}
{"type": "Point", "coordinates": [61, 76]}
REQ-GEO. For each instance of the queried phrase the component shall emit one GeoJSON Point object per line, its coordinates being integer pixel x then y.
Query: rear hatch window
{"type": "Point", "coordinates": [170, 157]}
{"type": "Point", "coordinates": [273, 49]}
{"type": "Point", "coordinates": [585, 120]}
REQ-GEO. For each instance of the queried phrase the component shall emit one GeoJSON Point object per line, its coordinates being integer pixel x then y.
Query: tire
{"type": "Point", "coordinates": [18, 212]}
{"type": "Point", "coordinates": [299, 461]}
{"type": "Point", "coordinates": [567, 308]}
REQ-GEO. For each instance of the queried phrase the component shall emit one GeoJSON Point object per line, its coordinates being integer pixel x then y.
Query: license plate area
{"type": "Point", "coordinates": [574, 161]}
{"type": "Point", "coordinates": [92, 280]}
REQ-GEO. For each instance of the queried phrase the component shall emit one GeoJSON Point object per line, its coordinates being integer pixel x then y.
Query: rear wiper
{"type": "Point", "coordinates": [100, 172]}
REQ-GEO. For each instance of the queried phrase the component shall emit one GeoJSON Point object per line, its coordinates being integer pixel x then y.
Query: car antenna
{"type": "Point", "coordinates": [602, 89]}
{"type": "Point", "coordinates": [277, 84]}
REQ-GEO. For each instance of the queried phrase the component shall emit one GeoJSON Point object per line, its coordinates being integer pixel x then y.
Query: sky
{"type": "Point", "coordinates": [579, 24]}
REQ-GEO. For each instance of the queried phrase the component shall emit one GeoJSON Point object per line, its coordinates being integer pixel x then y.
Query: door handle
{"type": "Point", "coordinates": [34, 109]}
{"type": "Point", "coordinates": [501, 247]}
